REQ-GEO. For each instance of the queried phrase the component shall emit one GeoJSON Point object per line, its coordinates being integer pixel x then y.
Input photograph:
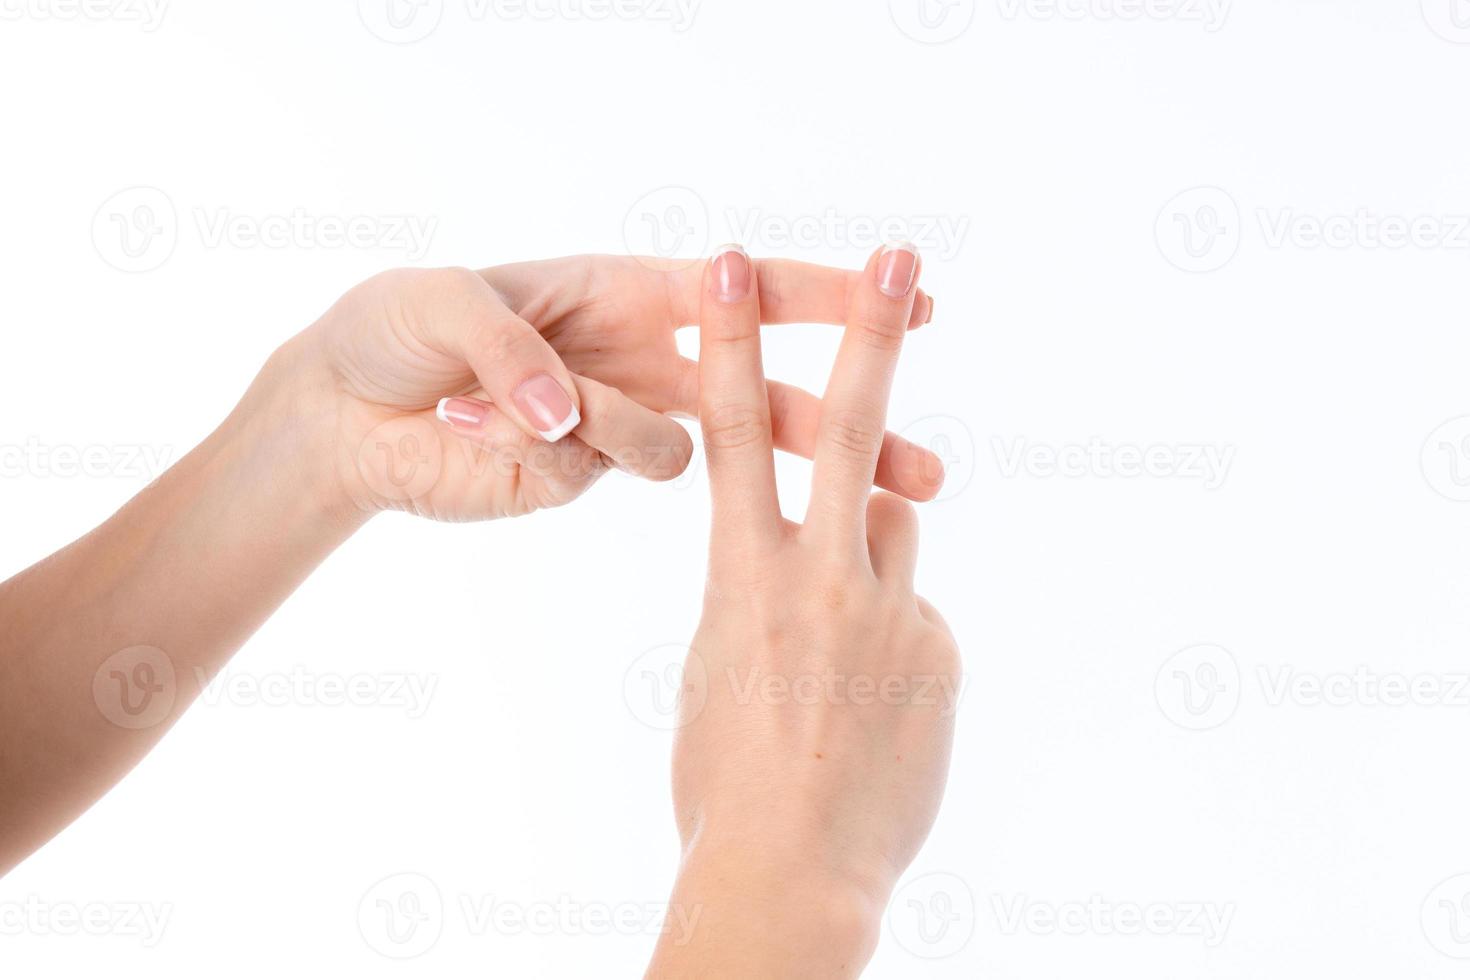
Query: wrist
{"type": "Point", "coordinates": [288, 422]}
{"type": "Point", "coordinates": [755, 911]}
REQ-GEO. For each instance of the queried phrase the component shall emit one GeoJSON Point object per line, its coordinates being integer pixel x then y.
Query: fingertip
{"type": "Point", "coordinates": [920, 473]}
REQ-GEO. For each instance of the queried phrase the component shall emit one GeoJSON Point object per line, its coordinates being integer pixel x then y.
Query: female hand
{"type": "Point", "coordinates": [819, 690]}
{"type": "Point", "coordinates": [533, 351]}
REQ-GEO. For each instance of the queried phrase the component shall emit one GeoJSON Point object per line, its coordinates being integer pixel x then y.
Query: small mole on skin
{"type": "Point", "coordinates": [899, 758]}
{"type": "Point", "coordinates": [819, 755]}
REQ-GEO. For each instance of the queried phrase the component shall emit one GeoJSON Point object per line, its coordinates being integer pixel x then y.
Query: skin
{"type": "Point", "coordinates": [802, 796]}
{"type": "Point", "coordinates": [108, 641]}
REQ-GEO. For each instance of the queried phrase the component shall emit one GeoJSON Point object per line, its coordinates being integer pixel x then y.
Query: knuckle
{"type": "Point", "coordinates": [879, 334]}
{"type": "Point", "coordinates": [733, 427]}
{"type": "Point", "coordinates": [891, 509]}
{"type": "Point", "coordinates": [854, 434]}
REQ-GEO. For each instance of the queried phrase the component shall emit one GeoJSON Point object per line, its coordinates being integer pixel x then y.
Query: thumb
{"type": "Point", "coordinates": [515, 365]}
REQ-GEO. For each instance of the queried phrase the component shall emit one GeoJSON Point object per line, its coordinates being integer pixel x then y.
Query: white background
{"type": "Point", "coordinates": [1054, 146]}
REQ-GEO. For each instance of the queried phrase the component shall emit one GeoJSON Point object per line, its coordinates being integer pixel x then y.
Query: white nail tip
{"type": "Point", "coordinates": [441, 410]}
{"type": "Point", "coordinates": [556, 434]}
{"type": "Point", "coordinates": [908, 247]}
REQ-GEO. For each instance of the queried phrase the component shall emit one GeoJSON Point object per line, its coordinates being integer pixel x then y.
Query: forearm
{"type": "Point", "coordinates": [189, 568]}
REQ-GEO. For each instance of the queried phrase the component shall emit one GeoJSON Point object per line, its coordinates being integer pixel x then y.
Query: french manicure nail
{"type": "Point", "coordinates": [464, 414]}
{"type": "Point", "coordinates": [730, 274]}
{"type": "Point", "coordinates": [896, 268]}
{"type": "Point", "coordinates": [930, 318]}
{"type": "Point", "coordinates": [547, 407]}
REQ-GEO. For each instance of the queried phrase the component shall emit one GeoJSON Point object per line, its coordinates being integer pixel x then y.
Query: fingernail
{"type": "Point", "coordinates": [931, 311]}
{"type": "Point", "coordinates": [464, 414]}
{"type": "Point", "coordinates": [547, 407]}
{"type": "Point", "coordinates": [730, 274]}
{"type": "Point", "coordinates": [896, 268]}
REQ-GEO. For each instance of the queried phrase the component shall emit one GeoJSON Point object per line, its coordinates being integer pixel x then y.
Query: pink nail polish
{"type": "Point", "coordinates": [896, 268]}
{"type": "Point", "coordinates": [464, 414]}
{"type": "Point", "coordinates": [547, 407]}
{"type": "Point", "coordinates": [730, 274]}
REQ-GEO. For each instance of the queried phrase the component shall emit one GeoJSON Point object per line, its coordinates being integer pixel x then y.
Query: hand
{"type": "Point", "coordinates": [526, 350]}
{"type": "Point", "coordinates": [820, 690]}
